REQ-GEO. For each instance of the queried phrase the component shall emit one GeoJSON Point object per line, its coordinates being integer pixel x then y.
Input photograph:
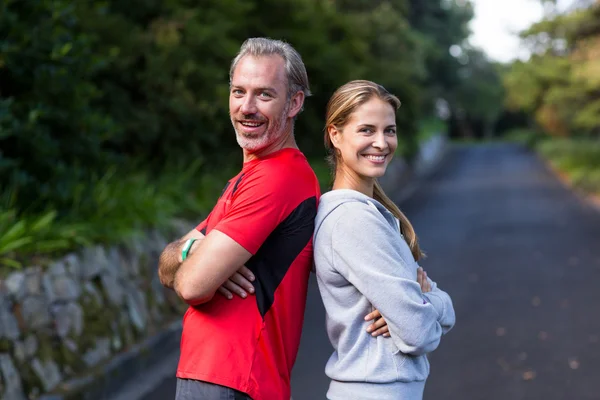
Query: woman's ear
{"type": "Point", "coordinates": [334, 135]}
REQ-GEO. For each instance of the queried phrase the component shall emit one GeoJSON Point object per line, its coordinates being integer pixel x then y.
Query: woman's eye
{"type": "Point", "coordinates": [391, 131]}
{"type": "Point", "coordinates": [366, 130]}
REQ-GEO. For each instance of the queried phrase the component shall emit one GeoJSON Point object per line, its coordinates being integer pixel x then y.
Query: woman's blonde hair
{"type": "Point", "coordinates": [342, 104]}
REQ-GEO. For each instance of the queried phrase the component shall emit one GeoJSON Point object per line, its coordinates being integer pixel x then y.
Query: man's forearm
{"type": "Point", "coordinates": [169, 263]}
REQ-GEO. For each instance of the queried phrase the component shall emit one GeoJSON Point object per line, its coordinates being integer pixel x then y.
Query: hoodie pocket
{"type": "Point", "coordinates": [411, 368]}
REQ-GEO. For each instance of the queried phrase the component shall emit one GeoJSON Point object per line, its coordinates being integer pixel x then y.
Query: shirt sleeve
{"type": "Point", "coordinates": [202, 225]}
{"type": "Point", "coordinates": [366, 253]}
{"type": "Point", "coordinates": [259, 205]}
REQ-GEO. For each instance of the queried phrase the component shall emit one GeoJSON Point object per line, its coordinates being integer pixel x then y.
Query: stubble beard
{"type": "Point", "coordinates": [274, 131]}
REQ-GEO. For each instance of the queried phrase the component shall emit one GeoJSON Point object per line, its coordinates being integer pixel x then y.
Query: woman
{"type": "Point", "coordinates": [365, 257]}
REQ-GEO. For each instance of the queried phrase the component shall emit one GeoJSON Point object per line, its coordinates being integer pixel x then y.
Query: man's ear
{"type": "Point", "coordinates": [297, 101]}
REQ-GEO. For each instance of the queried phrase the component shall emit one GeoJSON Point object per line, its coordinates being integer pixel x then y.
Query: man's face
{"type": "Point", "coordinates": [258, 101]}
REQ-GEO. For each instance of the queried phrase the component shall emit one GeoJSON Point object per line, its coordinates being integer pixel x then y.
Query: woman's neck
{"type": "Point", "coordinates": [349, 180]}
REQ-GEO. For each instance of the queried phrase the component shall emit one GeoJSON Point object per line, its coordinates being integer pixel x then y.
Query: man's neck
{"type": "Point", "coordinates": [287, 141]}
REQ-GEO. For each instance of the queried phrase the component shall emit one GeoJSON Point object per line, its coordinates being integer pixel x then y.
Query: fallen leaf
{"type": "Point", "coordinates": [573, 363]}
{"type": "Point", "coordinates": [529, 375]}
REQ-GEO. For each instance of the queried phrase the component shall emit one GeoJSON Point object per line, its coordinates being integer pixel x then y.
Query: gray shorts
{"type": "Point", "coordinates": [189, 389]}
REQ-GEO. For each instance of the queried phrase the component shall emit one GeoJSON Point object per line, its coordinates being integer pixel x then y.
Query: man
{"type": "Point", "coordinates": [260, 230]}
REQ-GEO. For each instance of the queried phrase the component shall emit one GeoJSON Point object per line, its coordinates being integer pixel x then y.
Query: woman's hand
{"type": "Point", "coordinates": [379, 326]}
{"type": "Point", "coordinates": [423, 281]}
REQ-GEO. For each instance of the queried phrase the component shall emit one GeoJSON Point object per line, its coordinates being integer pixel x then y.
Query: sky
{"type": "Point", "coordinates": [497, 23]}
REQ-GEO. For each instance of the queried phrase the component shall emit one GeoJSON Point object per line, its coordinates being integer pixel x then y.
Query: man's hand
{"type": "Point", "coordinates": [170, 258]}
{"type": "Point", "coordinates": [379, 327]}
{"type": "Point", "coordinates": [239, 283]}
{"type": "Point", "coordinates": [423, 281]}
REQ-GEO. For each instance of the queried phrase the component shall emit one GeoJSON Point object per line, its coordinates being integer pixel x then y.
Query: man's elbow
{"type": "Point", "coordinates": [164, 280]}
{"type": "Point", "coordinates": [194, 296]}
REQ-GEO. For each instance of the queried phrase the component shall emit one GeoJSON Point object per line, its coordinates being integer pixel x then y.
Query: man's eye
{"type": "Point", "coordinates": [265, 94]}
{"type": "Point", "coordinates": [237, 91]}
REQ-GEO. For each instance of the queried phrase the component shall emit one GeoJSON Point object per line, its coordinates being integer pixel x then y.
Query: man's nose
{"type": "Point", "coordinates": [249, 105]}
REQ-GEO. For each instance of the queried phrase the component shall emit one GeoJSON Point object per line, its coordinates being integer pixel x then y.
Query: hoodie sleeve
{"type": "Point", "coordinates": [443, 304]}
{"type": "Point", "coordinates": [368, 252]}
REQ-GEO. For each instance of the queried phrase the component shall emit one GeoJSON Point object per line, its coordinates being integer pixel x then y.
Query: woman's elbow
{"type": "Point", "coordinates": [419, 347]}
{"type": "Point", "coordinates": [418, 341]}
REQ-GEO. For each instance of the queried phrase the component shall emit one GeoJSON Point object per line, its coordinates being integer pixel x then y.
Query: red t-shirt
{"type": "Point", "coordinates": [251, 344]}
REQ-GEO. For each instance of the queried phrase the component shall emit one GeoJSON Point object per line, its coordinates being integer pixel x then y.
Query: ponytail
{"type": "Point", "coordinates": [406, 227]}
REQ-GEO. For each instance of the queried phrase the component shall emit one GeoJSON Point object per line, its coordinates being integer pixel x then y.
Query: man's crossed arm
{"type": "Point", "coordinates": [213, 264]}
{"type": "Point", "coordinates": [170, 262]}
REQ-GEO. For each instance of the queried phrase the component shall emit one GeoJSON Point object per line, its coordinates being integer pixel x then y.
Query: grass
{"type": "Point", "coordinates": [578, 158]}
{"type": "Point", "coordinates": [109, 209]}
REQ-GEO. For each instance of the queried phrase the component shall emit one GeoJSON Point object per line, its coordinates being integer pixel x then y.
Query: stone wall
{"type": "Point", "coordinates": [75, 313]}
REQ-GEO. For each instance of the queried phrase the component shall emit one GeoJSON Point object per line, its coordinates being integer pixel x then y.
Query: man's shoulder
{"type": "Point", "coordinates": [289, 172]}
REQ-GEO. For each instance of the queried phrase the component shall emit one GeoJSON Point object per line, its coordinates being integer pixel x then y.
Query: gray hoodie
{"type": "Point", "coordinates": [362, 264]}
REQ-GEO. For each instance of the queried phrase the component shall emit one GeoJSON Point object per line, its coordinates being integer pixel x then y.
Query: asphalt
{"type": "Point", "coordinates": [520, 256]}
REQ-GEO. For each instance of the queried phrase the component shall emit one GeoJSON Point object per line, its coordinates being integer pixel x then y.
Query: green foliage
{"type": "Point", "coordinates": [559, 85]}
{"type": "Point", "coordinates": [114, 117]}
{"type": "Point", "coordinates": [525, 137]}
{"type": "Point", "coordinates": [34, 235]}
{"type": "Point", "coordinates": [429, 127]}
{"type": "Point", "coordinates": [323, 172]}
{"type": "Point", "coordinates": [578, 158]}
{"type": "Point", "coordinates": [110, 209]}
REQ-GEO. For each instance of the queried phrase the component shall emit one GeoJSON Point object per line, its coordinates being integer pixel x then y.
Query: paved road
{"type": "Point", "coordinates": [520, 256]}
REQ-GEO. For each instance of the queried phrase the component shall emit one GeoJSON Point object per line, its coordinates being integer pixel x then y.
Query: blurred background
{"type": "Point", "coordinates": [114, 123]}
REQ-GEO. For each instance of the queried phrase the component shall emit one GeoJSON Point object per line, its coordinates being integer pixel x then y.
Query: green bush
{"type": "Point", "coordinates": [113, 114]}
{"type": "Point", "coordinates": [526, 137]}
{"type": "Point", "coordinates": [579, 158]}
{"type": "Point", "coordinates": [109, 209]}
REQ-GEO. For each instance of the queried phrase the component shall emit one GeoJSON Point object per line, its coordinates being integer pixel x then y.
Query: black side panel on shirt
{"type": "Point", "coordinates": [224, 189]}
{"type": "Point", "coordinates": [236, 184]}
{"type": "Point", "coordinates": [272, 261]}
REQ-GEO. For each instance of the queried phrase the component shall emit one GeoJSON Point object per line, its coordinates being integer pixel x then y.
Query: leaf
{"type": "Point", "coordinates": [18, 229]}
{"type": "Point", "coordinates": [9, 262]}
{"type": "Point", "coordinates": [15, 244]}
{"type": "Point", "coordinates": [64, 50]}
{"type": "Point", "coordinates": [51, 245]}
{"type": "Point", "coordinates": [43, 222]}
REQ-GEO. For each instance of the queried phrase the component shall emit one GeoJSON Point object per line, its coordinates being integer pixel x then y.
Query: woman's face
{"type": "Point", "coordinates": [368, 140]}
